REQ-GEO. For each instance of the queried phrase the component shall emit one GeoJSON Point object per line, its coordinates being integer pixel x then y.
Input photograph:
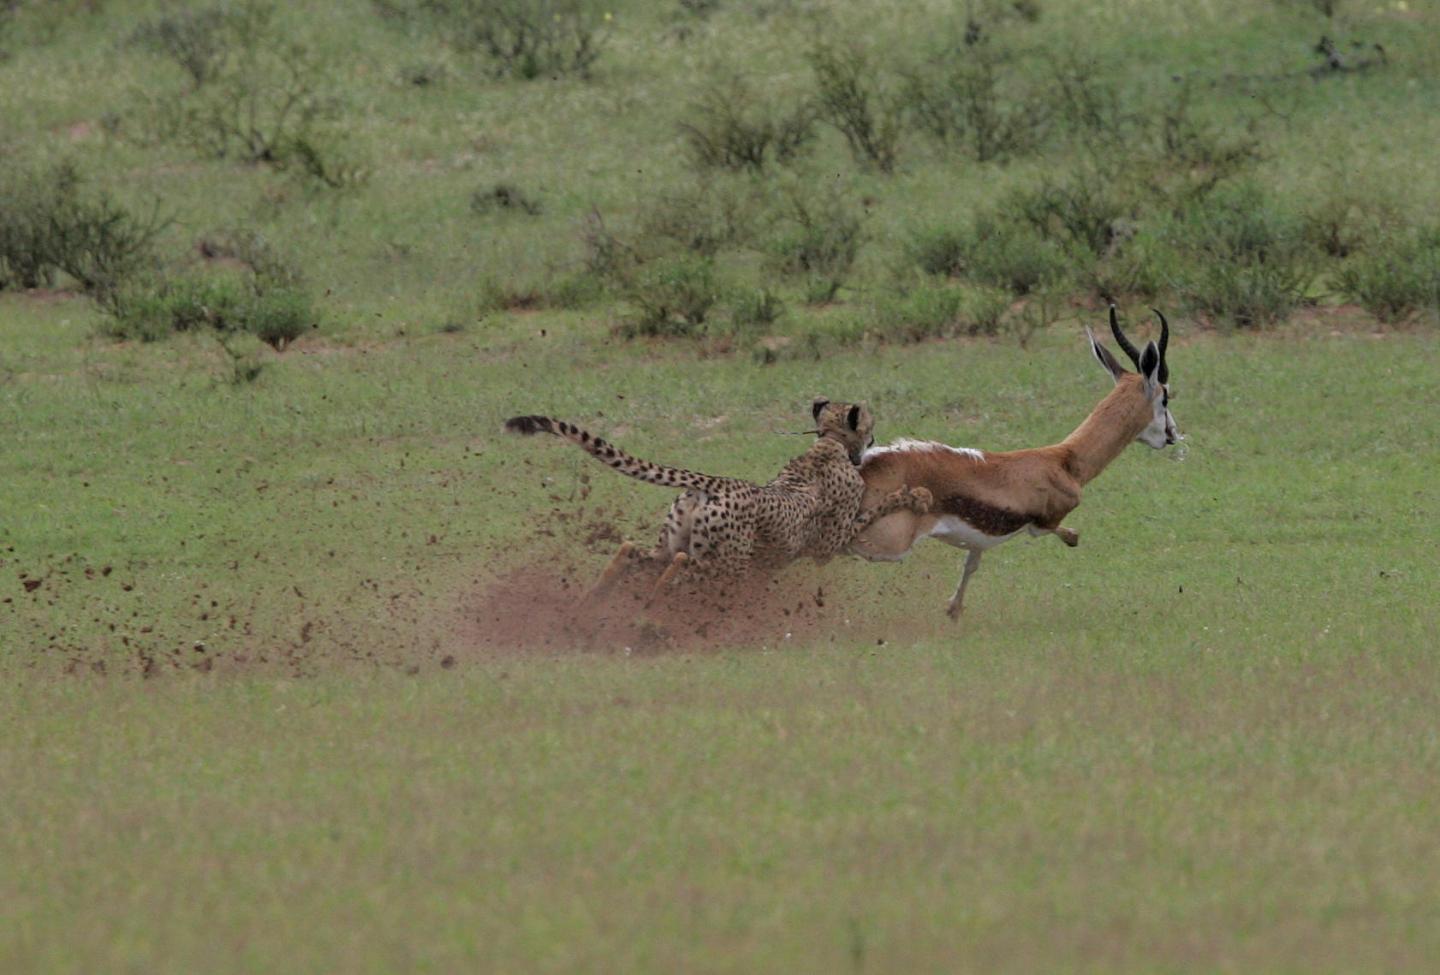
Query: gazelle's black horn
{"type": "Point", "coordinates": [1125, 345]}
{"type": "Point", "coordinates": [1164, 375]}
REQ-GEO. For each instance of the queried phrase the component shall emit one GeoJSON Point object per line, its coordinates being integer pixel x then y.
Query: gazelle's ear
{"type": "Point", "coordinates": [1102, 354]}
{"type": "Point", "coordinates": [853, 418]}
{"type": "Point", "coordinates": [1150, 364]}
{"type": "Point", "coordinates": [819, 404]}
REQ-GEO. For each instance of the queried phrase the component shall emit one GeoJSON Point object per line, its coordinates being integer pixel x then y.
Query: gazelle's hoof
{"type": "Point", "coordinates": [1069, 536]}
{"type": "Point", "coordinates": [952, 610]}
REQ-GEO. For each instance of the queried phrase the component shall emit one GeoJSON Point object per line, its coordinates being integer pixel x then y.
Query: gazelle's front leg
{"type": "Point", "coordinates": [972, 562]}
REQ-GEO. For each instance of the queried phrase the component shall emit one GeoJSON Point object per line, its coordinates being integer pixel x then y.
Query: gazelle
{"type": "Point", "coordinates": [984, 499]}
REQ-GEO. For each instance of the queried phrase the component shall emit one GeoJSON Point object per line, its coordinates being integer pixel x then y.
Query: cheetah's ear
{"type": "Point", "coordinates": [819, 404]}
{"type": "Point", "coordinates": [853, 418]}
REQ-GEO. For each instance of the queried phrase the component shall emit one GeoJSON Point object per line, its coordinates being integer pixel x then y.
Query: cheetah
{"type": "Point", "coordinates": [721, 525]}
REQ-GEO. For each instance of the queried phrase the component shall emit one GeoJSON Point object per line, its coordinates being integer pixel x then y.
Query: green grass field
{"type": "Point", "coordinates": [247, 722]}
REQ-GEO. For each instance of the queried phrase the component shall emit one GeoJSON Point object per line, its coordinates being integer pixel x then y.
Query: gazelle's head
{"type": "Point", "coordinates": [1154, 377]}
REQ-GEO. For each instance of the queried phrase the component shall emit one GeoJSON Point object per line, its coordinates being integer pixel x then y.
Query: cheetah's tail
{"type": "Point", "coordinates": [611, 455]}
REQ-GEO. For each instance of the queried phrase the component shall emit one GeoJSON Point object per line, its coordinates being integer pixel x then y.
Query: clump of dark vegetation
{"type": "Point", "coordinates": [504, 198]}
{"type": "Point", "coordinates": [729, 127]}
{"type": "Point", "coordinates": [525, 39]}
{"type": "Point", "coordinates": [672, 296]}
{"type": "Point", "coordinates": [423, 74]}
{"type": "Point", "coordinates": [996, 250]}
{"type": "Point", "coordinates": [250, 93]}
{"type": "Point", "coordinates": [52, 223]}
{"type": "Point", "coordinates": [855, 97]}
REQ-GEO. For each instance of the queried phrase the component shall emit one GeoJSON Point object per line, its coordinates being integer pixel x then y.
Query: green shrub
{"type": "Point", "coordinates": [968, 96]}
{"type": "Point", "coordinates": [925, 311]}
{"type": "Point", "coordinates": [1145, 263]}
{"type": "Point", "coordinates": [1004, 253]}
{"type": "Point", "coordinates": [524, 39]}
{"type": "Point", "coordinates": [253, 94]}
{"type": "Point", "coordinates": [223, 304]}
{"type": "Point", "coordinates": [51, 223]}
{"type": "Point", "coordinates": [855, 99]}
{"type": "Point", "coordinates": [1086, 212]}
{"type": "Point", "coordinates": [728, 127]}
{"type": "Point", "coordinates": [672, 296]}
{"type": "Point", "coordinates": [922, 312]}
{"type": "Point", "coordinates": [607, 257]}
{"type": "Point", "coordinates": [201, 42]}
{"type": "Point", "coordinates": [1246, 261]}
{"type": "Point", "coordinates": [755, 309]}
{"type": "Point", "coordinates": [249, 288]}
{"type": "Point", "coordinates": [704, 217]}
{"type": "Point", "coordinates": [1397, 279]}
{"type": "Point", "coordinates": [1192, 157]}
{"type": "Point", "coordinates": [985, 309]}
{"type": "Point", "coordinates": [820, 237]}
{"type": "Point", "coordinates": [1344, 222]}
{"type": "Point", "coordinates": [938, 250]}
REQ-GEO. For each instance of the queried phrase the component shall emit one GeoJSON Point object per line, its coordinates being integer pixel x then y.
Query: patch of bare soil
{"type": "Point", "coordinates": [76, 617]}
{"type": "Point", "coordinates": [543, 606]}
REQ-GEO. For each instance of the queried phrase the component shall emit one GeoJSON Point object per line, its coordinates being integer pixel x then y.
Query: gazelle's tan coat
{"type": "Point", "coordinates": [983, 500]}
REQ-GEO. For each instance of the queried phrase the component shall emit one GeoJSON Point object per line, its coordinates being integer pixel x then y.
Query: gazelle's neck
{"type": "Point", "coordinates": [1108, 430]}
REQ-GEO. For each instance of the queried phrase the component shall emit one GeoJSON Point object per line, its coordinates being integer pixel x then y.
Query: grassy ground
{"type": "Point", "coordinates": [245, 722]}
{"type": "Point", "coordinates": [1201, 740]}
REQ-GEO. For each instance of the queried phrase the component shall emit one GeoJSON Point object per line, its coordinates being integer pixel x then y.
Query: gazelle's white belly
{"type": "Point", "coordinates": [953, 530]}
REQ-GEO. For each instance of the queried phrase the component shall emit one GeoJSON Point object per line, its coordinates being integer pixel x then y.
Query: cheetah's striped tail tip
{"type": "Point", "coordinates": [527, 425]}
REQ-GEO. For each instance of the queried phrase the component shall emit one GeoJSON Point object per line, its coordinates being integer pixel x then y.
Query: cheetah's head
{"type": "Point", "coordinates": [849, 423]}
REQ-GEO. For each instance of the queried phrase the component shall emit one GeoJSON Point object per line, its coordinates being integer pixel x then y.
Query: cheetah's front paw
{"type": "Point", "coordinates": [920, 499]}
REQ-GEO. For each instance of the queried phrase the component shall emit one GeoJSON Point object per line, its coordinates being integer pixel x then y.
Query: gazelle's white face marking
{"type": "Point", "coordinates": [1161, 431]}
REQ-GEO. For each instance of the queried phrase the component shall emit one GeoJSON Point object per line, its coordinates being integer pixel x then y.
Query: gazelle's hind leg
{"type": "Point", "coordinates": [674, 540]}
{"type": "Point", "coordinates": [1067, 535]}
{"type": "Point", "coordinates": [972, 562]}
{"type": "Point", "coordinates": [677, 565]}
{"type": "Point", "coordinates": [620, 566]}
